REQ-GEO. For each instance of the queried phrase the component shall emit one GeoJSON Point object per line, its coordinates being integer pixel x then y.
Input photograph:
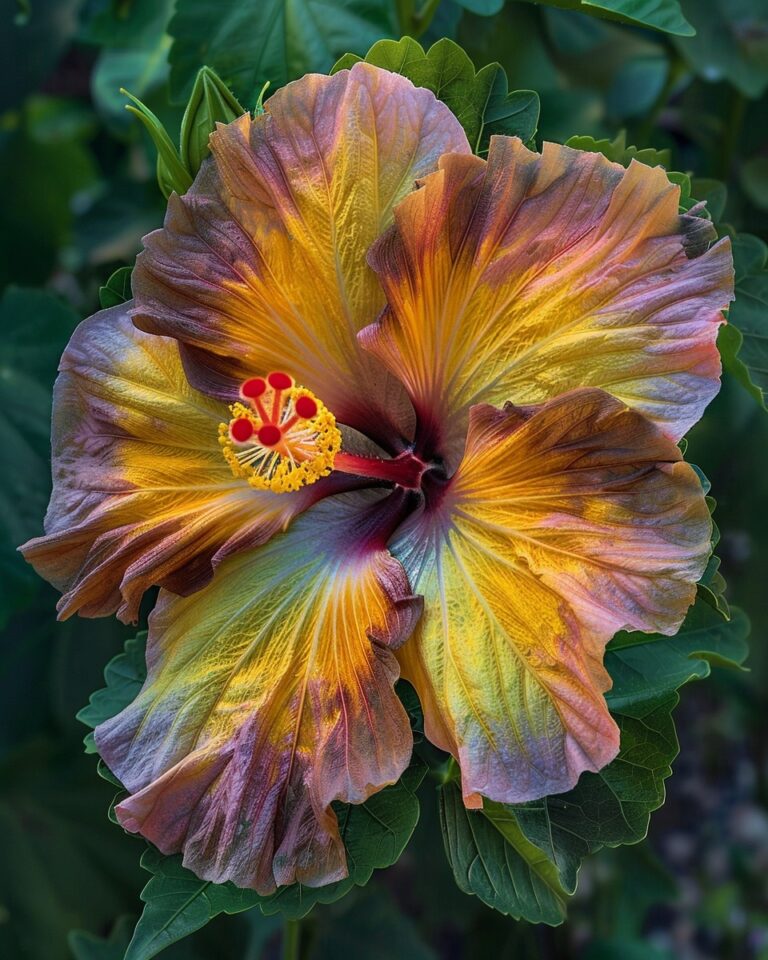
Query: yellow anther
{"type": "Point", "coordinates": [285, 439]}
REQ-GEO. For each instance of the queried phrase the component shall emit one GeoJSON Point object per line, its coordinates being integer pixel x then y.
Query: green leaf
{"type": "Point", "coordinates": [743, 342]}
{"type": "Point", "coordinates": [617, 150]}
{"type": "Point", "coordinates": [664, 15]}
{"type": "Point", "coordinates": [712, 192]}
{"type": "Point", "coordinates": [117, 289]}
{"type": "Point", "coordinates": [210, 102]}
{"type": "Point", "coordinates": [647, 668]}
{"type": "Point", "coordinates": [178, 903]}
{"type": "Point", "coordinates": [731, 43]}
{"type": "Point", "coordinates": [523, 859]}
{"type": "Point", "coordinates": [515, 878]}
{"type": "Point", "coordinates": [143, 69]}
{"type": "Point", "coordinates": [248, 42]}
{"type": "Point", "coordinates": [124, 676]}
{"type": "Point", "coordinates": [134, 24]}
{"type": "Point", "coordinates": [480, 100]}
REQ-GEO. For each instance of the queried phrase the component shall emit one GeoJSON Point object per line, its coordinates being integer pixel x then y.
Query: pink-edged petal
{"type": "Point", "coordinates": [141, 492]}
{"type": "Point", "coordinates": [269, 696]}
{"type": "Point", "coordinates": [532, 274]}
{"type": "Point", "coordinates": [262, 264]}
{"type": "Point", "coordinates": [564, 523]}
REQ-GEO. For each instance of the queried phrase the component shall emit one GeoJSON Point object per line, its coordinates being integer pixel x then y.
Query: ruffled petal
{"type": "Point", "coordinates": [142, 494]}
{"type": "Point", "coordinates": [261, 265]}
{"type": "Point", "coordinates": [269, 696]}
{"type": "Point", "coordinates": [529, 275]}
{"type": "Point", "coordinates": [563, 524]}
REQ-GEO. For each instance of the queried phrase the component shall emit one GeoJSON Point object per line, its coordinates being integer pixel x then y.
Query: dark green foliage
{"type": "Point", "coordinates": [480, 99]}
{"type": "Point", "coordinates": [248, 42]}
{"type": "Point", "coordinates": [745, 339]}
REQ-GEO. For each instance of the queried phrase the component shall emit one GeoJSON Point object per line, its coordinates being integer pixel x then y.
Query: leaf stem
{"type": "Point", "coordinates": [291, 939]}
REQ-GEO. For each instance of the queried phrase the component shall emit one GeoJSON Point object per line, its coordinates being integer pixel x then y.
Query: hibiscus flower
{"type": "Point", "coordinates": [381, 407]}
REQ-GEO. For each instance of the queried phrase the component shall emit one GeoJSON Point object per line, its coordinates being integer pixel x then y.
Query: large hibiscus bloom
{"type": "Point", "coordinates": [355, 429]}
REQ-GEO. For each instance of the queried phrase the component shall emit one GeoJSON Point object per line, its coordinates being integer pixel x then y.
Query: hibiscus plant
{"type": "Point", "coordinates": [392, 410]}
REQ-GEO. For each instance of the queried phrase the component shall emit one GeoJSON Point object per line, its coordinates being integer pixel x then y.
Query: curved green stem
{"type": "Point", "coordinates": [291, 939]}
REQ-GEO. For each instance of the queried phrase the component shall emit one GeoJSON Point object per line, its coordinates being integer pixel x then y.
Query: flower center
{"type": "Point", "coordinates": [280, 437]}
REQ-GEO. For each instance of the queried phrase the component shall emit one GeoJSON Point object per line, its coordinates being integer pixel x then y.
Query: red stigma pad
{"type": "Point", "coordinates": [254, 387]}
{"type": "Point", "coordinates": [280, 381]}
{"type": "Point", "coordinates": [269, 435]}
{"type": "Point", "coordinates": [241, 430]}
{"type": "Point", "coordinates": [305, 407]}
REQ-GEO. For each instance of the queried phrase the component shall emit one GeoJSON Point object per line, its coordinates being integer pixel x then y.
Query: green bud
{"type": "Point", "coordinates": [210, 102]}
{"type": "Point", "coordinates": [172, 174]}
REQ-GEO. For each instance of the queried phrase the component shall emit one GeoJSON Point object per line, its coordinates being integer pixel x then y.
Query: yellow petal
{"type": "Point", "coordinates": [269, 696]}
{"type": "Point", "coordinates": [533, 274]}
{"type": "Point", "coordinates": [564, 524]}
{"type": "Point", "coordinates": [142, 494]}
{"type": "Point", "coordinates": [261, 265]}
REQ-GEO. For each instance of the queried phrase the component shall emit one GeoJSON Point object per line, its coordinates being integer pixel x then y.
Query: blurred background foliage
{"type": "Point", "coordinates": [77, 175]}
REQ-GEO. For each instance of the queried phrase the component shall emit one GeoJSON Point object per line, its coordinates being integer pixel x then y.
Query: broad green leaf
{"type": "Point", "coordinates": [743, 341]}
{"type": "Point", "coordinates": [117, 289]}
{"type": "Point", "coordinates": [178, 903]}
{"type": "Point", "coordinates": [248, 42]}
{"type": "Point", "coordinates": [526, 865]}
{"type": "Point", "coordinates": [36, 326]}
{"type": "Point", "coordinates": [731, 42]}
{"type": "Point", "coordinates": [647, 668]}
{"type": "Point", "coordinates": [141, 69]}
{"type": "Point", "coordinates": [124, 676]}
{"type": "Point", "coordinates": [516, 879]}
{"type": "Point", "coordinates": [210, 102]}
{"type": "Point", "coordinates": [115, 23]}
{"type": "Point", "coordinates": [480, 100]}
{"type": "Point", "coordinates": [618, 151]}
{"type": "Point", "coordinates": [663, 15]}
